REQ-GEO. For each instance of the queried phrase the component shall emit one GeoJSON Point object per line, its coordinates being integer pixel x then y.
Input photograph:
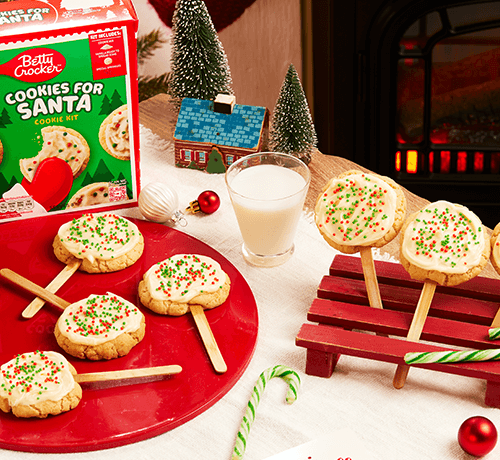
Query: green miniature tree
{"type": "Point", "coordinates": [215, 162]}
{"type": "Point", "coordinates": [199, 64]}
{"type": "Point", "coordinates": [292, 128]}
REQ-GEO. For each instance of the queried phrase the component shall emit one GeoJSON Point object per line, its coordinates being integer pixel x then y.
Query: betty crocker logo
{"type": "Point", "coordinates": [34, 65]}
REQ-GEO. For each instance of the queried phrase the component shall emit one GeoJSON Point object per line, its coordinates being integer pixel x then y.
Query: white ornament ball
{"type": "Point", "coordinates": [159, 203]}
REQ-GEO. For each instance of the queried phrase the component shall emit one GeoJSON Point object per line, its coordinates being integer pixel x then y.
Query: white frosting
{"type": "Point", "coordinates": [99, 236]}
{"type": "Point", "coordinates": [445, 237]}
{"type": "Point", "coordinates": [98, 319]}
{"type": "Point", "coordinates": [356, 210]}
{"type": "Point", "coordinates": [184, 276]}
{"type": "Point", "coordinates": [117, 135]}
{"type": "Point", "coordinates": [35, 377]}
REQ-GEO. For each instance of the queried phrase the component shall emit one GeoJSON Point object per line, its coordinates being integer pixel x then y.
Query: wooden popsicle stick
{"type": "Point", "coordinates": [128, 374]}
{"type": "Point", "coordinates": [34, 288]}
{"type": "Point", "coordinates": [208, 338]}
{"type": "Point", "coordinates": [64, 275]}
{"type": "Point", "coordinates": [370, 275]}
{"type": "Point", "coordinates": [416, 327]}
{"type": "Point", "coordinates": [496, 320]}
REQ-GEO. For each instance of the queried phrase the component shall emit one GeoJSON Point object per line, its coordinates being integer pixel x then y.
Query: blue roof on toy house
{"type": "Point", "coordinates": [197, 122]}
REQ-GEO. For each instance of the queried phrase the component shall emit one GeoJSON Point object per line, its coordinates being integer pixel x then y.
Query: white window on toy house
{"type": "Point", "coordinates": [202, 157]}
{"type": "Point", "coordinates": [229, 159]}
{"type": "Point", "coordinates": [186, 155]}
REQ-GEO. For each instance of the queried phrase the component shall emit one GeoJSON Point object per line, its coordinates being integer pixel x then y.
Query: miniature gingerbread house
{"type": "Point", "coordinates": [211, 135]}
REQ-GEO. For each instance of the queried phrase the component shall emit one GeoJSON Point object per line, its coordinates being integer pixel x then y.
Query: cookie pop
{"type": "Point", "coordinates": [38, 384]}
{"type": "Point", "coordinates": [102, 242]}
{"type": "Point", "coordinates": [186, 283]}
{"type": "Point", "coordinates": [43, 383]}
{"type": "Point", "coordinates": [495, 261]}
{"type": "Point", "coordinates": [445, 244]}
{"type": "Point", "coordinates": [358, 211]}
{"type": "Point", "coordinates": [98, 327]}
{"type": "Point", "coordinates": [94, 243]}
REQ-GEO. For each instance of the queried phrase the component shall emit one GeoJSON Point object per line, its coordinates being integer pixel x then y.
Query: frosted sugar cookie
{"type": "Point", "coordinates": [104, 242]}
{"type": "Point", "coordinates": [90, 195]}
{"type": "Point", "coordinates": [170, 286]}
{"type": "Point", "coordinates": [38, 384]}
{"type": "Point", "coordinates": [444, 242]}
{"type": "Point", "coordinates": [495, 248]}
{"type": "Point", "coordinates": [114, 134]}
{"type": "Point", "coordinates": [61, 142]}
{"type": "Point", "coordinates": [100, 327]}
{"type": "Point", "coordinates": [358, 209]}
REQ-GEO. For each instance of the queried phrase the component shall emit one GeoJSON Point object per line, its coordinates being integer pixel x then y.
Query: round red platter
{"type": "Point", "coordinates": [118, 415]}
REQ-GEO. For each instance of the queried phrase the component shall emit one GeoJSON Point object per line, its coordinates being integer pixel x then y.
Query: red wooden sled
{"type": "Point", "coordinates": [459, 316]}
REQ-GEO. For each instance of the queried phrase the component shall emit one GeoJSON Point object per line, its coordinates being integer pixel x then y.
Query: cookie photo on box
{"type": "Point", "coordinates": [90, 195]}
{"type": "Point", "coordinates": [60, 142]}
{"type": "Point", "coordinates": [114, 134]}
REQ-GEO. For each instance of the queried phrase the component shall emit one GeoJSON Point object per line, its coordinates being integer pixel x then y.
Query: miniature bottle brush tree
{"type": "Point", "coordinates": [292, 128]}
{"type": "Point", "coordinates": [199, 64]}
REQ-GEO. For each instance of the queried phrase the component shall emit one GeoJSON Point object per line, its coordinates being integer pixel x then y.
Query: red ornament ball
{"type": "Point", "coordinates": [477, 436]}
{"type": "Point", "coordinates": [208, 201]}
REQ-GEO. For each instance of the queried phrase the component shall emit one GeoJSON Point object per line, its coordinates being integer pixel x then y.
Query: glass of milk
{"type": "Point", "coordinates": [268, 190]}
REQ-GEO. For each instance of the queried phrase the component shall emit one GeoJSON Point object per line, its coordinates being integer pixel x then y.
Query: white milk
{"type": "Point", "coordinates": [268, 204]}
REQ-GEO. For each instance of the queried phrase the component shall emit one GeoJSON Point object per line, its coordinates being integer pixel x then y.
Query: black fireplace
{"type": "Point", "coordinates": [411, 89]}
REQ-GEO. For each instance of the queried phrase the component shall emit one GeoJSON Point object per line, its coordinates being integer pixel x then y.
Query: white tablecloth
{"type": "Point", "coordinates": [418, 422]}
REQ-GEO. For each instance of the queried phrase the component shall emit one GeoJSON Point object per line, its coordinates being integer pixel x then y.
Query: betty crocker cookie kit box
{"type": "Point", "coordinates": [69, 126]}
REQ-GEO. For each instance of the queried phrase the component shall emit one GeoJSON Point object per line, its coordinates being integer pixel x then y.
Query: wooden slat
{"type": "Point", "coordinates": [394, 274]}
{"type": "Point", "coordinates": [401, 298]}
{"type": "Point", "coordinates": [351, 316]}
{"type": "Point", "coordinates": [332, 339]}
{"type": "Point", "coordinates": [459, 316]}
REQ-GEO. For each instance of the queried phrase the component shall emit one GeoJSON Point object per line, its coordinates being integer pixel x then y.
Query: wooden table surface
{"type": "Point", "coordinates": [156, 114]}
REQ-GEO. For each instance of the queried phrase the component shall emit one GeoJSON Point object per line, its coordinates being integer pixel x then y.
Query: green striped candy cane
{"type": "Point", "coordinates": [452, 356]}
{"type": "Point", "coordinates": [494, 333]}
{"type": "Point", "coordinates": [283, 372]}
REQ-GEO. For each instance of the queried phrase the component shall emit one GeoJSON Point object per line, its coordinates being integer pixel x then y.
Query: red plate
{"type": "Point", "coordinates": [114, 416]}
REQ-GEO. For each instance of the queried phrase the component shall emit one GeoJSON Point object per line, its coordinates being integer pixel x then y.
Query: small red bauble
{"type": "Point", "coordinates": [477, 436]}
{"type": "Point", "coordinates": [207, 202]}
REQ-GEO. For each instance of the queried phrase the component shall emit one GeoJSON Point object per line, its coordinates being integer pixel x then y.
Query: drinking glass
{"type": "Point", "coordinates": [267, 191]}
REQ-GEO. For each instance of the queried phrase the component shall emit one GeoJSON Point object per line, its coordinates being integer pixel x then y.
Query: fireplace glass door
{"type": "Point", "coordinates": [448, 94]}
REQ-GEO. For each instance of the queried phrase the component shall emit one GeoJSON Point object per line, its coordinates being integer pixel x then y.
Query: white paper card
{"type": "Point", "coordinates": [340, 445]}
